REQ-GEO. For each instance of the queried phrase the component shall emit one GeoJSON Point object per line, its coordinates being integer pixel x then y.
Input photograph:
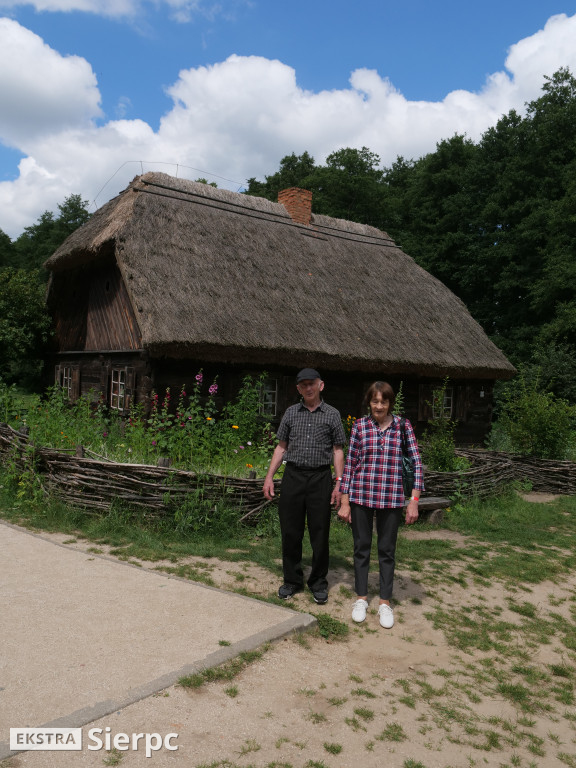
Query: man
{"type": "Point", "coordinates": [310, 438]}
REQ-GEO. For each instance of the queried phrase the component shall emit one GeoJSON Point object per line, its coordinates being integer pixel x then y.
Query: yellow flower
{"type": "Point", "coordinates": [208, 418]}
{"type": "Point", "coordinates": [234, 426]}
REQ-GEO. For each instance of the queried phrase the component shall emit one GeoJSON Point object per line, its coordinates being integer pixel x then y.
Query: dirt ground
{"type": "Point", "coordinates": [403, 697]}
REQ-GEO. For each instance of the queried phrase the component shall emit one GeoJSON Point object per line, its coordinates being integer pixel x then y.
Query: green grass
{"type": "Point", "coordinates": [496, 647]}
{"type": "Point", "coordinates": [227, 671]}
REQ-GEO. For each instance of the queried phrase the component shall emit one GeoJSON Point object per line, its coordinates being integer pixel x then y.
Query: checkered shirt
{"type": "Point", "coordinates": [311, 435]}
{"type": "Point", "coordinates": [373, 471]}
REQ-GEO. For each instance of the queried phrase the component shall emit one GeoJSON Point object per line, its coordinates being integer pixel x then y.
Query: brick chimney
{"type": "Point", "coordinates": [298, 203]}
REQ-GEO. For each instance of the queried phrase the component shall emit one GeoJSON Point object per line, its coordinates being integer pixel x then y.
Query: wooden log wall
{"type": "Point", "coordinates": [94, 483]}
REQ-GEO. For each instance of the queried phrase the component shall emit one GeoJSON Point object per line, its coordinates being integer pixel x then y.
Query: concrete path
{"type": "Point", "coordinates": [84, 635]}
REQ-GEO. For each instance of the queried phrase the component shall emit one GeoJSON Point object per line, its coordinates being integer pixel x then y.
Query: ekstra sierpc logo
{"type": "Point", "coordinates": [50, 739]}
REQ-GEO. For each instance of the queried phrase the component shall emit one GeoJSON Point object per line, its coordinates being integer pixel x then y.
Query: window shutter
{"type": "Point", "coordinates": [130, 388]}
{"type": "Point", "coordinates": [75, 388]}
{"type": "Point", "coordinates": [425, 401]}
{"type": "Point", "coordinates": [104, 384]}
{"type": "Point", "coordinates": [462, 403]}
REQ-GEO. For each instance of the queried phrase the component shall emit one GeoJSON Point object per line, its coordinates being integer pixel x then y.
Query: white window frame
{"type": "Point", "coordinates": [269, 398]}
{"type": "Point", "coordinates": [66, 380]}
{"type": "Point", "coordinates": [447, 405]}
{"type": "Point", "coordinates": [117, 399]}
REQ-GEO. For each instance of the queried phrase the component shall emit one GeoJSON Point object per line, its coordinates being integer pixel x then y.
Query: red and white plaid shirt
{"type": "Point", "coordinates": [373, 471]}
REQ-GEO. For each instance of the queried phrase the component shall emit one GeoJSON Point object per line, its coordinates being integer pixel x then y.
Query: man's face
{"type": "Point", "coordinates": [310, 390]}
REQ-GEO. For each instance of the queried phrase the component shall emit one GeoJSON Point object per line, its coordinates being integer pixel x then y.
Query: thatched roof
{"type": "Point", "coordinates": [217, 275]}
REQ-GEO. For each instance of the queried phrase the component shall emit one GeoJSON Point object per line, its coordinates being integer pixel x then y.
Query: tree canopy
{"type": "Point", "coordinates": [24, 320]}
{"type": "Point", "coordinates": [24, 325]}
{"type": "Point", "coordinates": [39, 241]}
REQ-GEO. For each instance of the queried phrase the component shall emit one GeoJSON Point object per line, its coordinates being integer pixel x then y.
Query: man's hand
{"type": "Point", "coordinates": [268, 488]}
{"type": "Point", "coordinates": [277, 457]}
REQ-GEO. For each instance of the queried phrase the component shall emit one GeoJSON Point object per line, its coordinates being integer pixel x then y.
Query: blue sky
{"type": "Point", "coordinates": [95, 91]}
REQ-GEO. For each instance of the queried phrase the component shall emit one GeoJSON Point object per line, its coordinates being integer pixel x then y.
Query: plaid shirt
{"type": "Point", "coordinates": [373, 472]}
{"type": "Point", "coordinates": [311, 435]}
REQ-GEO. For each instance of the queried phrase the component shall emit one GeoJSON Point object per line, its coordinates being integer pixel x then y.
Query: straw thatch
{"type": "Point", "coordinates": [216, 275]}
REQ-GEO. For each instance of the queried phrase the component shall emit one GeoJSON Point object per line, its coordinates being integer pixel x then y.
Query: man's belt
{"type": "Point", "coordinates": [302, 468]}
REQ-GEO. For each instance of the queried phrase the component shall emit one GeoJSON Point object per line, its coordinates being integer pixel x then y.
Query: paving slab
{"type": "Point", "coordinates": [84, 635]}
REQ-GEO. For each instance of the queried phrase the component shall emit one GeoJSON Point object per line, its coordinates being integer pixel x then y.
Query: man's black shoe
{"type": "Point", "coordinates": [320, 596]}
{"type": "Point", "coordinates": [288, 590]}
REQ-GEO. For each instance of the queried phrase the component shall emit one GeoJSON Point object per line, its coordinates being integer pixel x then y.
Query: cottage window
{"type": "Point", "coordinates": [118, 389]}
{"type": "Point", "coordinates": [446, 408]}
{"type": "Point", "coordinates": [68, 377]}
{"type": "Point", "coordinates": [269, 398]}
{"type": "Point", "coordinates": [65, 380]}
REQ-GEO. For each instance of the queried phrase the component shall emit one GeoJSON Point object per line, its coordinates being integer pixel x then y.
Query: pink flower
{"type": "Point", "coordinates": [153, 442]}
{"type": "Point", "coordinates": [199, 378]}
{"type": "Point", "coordinates": [212, 389]}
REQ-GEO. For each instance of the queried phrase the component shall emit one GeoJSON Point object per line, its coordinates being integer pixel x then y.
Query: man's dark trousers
{"type": "Point", "coordinates": [305, 497]}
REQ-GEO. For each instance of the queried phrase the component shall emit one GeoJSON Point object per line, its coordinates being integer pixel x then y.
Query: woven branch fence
{"type": "Point", "coordinates": [95, 483]}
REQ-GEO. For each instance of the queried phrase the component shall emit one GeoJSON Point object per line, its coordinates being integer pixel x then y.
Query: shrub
{"type": "Point", "coordinates": [534, 422]}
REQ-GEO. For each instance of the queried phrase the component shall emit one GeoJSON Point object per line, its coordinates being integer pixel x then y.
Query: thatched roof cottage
{"type": "Point", "coordinates": [174, 275]}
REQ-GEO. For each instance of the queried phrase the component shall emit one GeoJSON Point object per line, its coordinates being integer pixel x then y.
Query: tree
{"type": "Point", "coordinates": [24, 325]}
{"type": "Point", "coordinates": [350, 185]}
{"type": "Point", "coordinates": [496, 221]}
{"type": "Point", "coordinates": [6, 250]}
{"type": "Point", "coordinates": [39, 241]}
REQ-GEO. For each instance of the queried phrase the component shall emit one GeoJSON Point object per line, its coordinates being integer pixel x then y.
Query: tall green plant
{"type": "Point", "coordinates": [438, 447]}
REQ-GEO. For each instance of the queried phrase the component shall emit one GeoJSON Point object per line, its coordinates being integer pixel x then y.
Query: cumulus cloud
{"type": "Point", "coordinates": [41, 92]}
{"type": "Point", "coordinates": [232, 120]}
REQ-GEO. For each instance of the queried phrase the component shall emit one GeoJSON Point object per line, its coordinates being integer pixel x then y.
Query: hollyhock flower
{"type": "Point", "coordinates": [212, 389]}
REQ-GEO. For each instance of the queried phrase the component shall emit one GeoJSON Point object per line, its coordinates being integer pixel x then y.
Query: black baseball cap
{"type": "Point", "coordinates": [307, 373]}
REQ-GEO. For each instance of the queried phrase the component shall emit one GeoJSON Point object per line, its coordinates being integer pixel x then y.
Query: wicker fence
{"type": "Point", "coordinates": [94, 483]}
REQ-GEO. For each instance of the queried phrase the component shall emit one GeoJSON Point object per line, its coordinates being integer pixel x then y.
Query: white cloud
{"type": "Point", "coordinates": [41, 92]}
{"type": "Point", "coordinates": [181, 10]}
{"type": "Point", "coordinates": [118, 8]}
{"type": "Point", "coordinates": [234, 119]}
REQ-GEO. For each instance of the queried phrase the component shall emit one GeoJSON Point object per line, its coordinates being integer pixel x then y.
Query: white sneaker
{"type": "Point", "coordinates": [386, 616]}
{"type": "Point", "coordinates": [359, 610]}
